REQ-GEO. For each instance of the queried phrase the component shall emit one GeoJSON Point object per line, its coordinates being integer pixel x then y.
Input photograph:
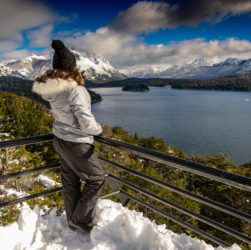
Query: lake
{"type": "Point", "coordinates": [195, 121]}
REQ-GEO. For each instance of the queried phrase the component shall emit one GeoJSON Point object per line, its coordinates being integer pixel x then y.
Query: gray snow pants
{"type": "Point", "coordinates": [79, 162]}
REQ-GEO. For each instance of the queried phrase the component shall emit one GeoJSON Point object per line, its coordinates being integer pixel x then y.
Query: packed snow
{"type": "Point", "coordinates": [5, 134]}
{"type": "Point", "coordinates": [117, 228]}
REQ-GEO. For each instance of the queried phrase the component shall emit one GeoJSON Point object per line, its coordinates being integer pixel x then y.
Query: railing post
{"type": "Point", "coordinates": [6, 158]}
{"type": "Point", "coordinates": [114, 185]}
{"type": "Point", "coordinates": [1, 165]}
{"type": "Point", "coordinates": [5, 161]}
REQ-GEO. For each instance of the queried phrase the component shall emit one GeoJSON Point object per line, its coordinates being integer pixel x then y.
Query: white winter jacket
{"type": "Point", "coordinates": [71, 108]}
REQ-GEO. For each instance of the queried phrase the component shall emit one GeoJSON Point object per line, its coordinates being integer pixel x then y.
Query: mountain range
{"type": "Point", "coordinates": [198, 69]}
{"type": "Point", "coordinates": [94, 68]}
{"type": "Point", "coordinates": [97, 69]}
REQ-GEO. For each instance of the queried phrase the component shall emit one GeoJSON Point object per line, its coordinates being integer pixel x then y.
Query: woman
{"type": "Point", "coordinates": [74, 127]}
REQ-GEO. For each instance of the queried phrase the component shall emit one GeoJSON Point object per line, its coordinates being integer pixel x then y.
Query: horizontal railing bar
{"type": "Point", "coordinates": [29, 197]}
{"type": "Point", "coordinates": [33, 196]}
{"type": "Point", "coordinates": [109, 195]}
{"type": "Point", "coordinates": [211, 203]}
{"type": "Point", "coordinates": [219, 175]}
{"type": "Point", "coordinates": [16, 174]}
{"type": "Point", "coordinates": [26, 141]}
{"type": "Point", "coordinates": [180, 222]}
{"type": "Point", "coordinates": [192, 167]}
{"type": "Point", "coordinates": [204, 219]}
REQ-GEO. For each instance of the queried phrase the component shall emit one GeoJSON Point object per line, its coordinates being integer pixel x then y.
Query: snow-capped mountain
{"type": "Point", "coordinates": [6, 71]}
{"type": "Point", "coordinates": [95, 68]}
{"type": "Point", "coordinates": [30, 67]}
{"type": "Point", "coordinates": [198, 69]}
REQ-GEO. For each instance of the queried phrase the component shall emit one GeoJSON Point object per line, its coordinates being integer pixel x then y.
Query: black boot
{"type": "Point", "coordinates": [83, 228]}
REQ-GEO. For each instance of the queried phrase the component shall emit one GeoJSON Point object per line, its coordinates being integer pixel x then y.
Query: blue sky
{"type": "Point", "coordinates": [89, 17]}
{"type": "Point", "coordinates": [129, 33]}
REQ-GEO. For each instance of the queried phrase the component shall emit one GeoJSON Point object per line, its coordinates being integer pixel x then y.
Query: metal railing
{"type": "Point", "coordinates": [218, 175]}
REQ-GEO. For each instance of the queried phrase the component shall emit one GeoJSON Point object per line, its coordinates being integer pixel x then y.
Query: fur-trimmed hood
{"type": "Point", "coordinates": [53, 86]}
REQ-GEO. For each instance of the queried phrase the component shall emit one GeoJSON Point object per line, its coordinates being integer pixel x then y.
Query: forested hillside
{"type": "Point", "coordinates": [223, 83]}
{"type": "Point", "coordinates": [23, 117]}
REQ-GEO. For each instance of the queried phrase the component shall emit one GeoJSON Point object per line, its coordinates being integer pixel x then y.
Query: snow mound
{"type": "Point", "coordinates": [117, 228]}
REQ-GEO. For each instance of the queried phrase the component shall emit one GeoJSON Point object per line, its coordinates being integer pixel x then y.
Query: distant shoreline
{"type": "Point", "coordinates": [170, 87]}
{"type": "Point", "coordinates": [216, 84]}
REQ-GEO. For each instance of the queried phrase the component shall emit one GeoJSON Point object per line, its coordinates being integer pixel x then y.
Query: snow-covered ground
{"type": "Point", "coordinates": [45, 181]}
{"type": "Point", "coordinates": [117, 228]}
{"type": "Point", "coordinates": [10, 191]}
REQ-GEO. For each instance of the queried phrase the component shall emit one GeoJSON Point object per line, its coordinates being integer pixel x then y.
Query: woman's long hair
{"type": "Point", "coordinates": [57, 73]}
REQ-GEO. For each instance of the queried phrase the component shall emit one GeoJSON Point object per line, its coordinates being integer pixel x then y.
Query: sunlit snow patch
{"type": "Point", "coordinates": [45, 181]}
{"type": "Point", "coordinates": [10, 191]}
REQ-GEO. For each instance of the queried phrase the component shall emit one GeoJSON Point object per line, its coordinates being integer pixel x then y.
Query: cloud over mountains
{"type": "Point", "coordinates": [120, 41]}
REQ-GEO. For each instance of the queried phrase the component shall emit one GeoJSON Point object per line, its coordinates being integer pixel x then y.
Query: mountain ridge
{"type": "Point", "coordinates": [197, 69]}
{"type": "Point", "coordinates": [97, 69]}
{"type": "Point", "coordinates": [94, 68]}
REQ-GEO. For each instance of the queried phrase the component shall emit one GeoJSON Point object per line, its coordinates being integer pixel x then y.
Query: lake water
{"type": "Point", "coordinates": [195, 121]}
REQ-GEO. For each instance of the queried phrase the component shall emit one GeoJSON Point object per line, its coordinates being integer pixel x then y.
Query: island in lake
{"type": "Point", "coordinates": [136, 87]}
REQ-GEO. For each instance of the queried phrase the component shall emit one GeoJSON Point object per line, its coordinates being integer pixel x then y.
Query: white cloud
{"type": "Point", "coordinates": [125, 51]}
{"type": "Point", "coordinates": [120, 44]}
{"type": "Point", "coordinates": [119, 41]}
{"type": "Point", "coordinates": [19, 15]}
{"type": "Point", "coordinates": [104, 41]}
{"type": "Point", "coordinates": [40, 37]}
{"type": "Point", "coordinates": [17, 54]}
{"type": "Point", "coordinates": [183, 52]}
{"type": "Point", "coordinates": [8, 44]}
